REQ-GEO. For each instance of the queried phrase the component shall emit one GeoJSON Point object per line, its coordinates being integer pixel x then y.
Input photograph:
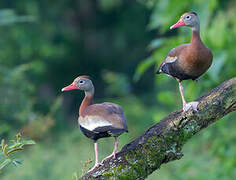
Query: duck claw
{"type": "Point", "coordinates": [95, 166]}
{"type": "Point", "coordinates": [108, 157]}
{"type": "Point", "coordinates": [193, 104]}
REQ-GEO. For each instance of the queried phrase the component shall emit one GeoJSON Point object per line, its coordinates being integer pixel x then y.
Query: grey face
{"type": "Point", "coordinates": [84, 84]}
{"type": "Point", "coordinates": [191, 20]}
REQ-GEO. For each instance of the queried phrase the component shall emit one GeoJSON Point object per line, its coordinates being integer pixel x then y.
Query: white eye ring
{"type": "Point", "coordinates": [188, 17]}
{"type": "Point", "coordinates": [81, 82]}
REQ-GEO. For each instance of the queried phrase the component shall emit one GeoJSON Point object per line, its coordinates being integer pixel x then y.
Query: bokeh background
{"type": "Point", "coordinates": [45, 44]}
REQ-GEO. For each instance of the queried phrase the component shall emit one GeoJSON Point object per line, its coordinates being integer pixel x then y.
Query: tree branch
{"type": "Point", "coordinates": [163, 141]}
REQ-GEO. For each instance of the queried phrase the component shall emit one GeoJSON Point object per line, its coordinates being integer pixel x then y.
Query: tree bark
{"type": "Point", "coordinates": [163, 141]}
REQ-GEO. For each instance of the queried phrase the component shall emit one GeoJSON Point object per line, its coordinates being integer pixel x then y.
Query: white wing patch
{"type": "Point", "coordinates": [170, 59]}
{"type": "Point", "coordinates": [93, 122]}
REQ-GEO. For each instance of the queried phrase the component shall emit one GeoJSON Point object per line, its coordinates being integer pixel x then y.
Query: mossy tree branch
{"type": "Point", "coordinates": [163, 141]}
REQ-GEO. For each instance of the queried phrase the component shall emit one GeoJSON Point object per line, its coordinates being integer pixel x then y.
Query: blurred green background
{"type": "Point", "coordinates": [45, 44]}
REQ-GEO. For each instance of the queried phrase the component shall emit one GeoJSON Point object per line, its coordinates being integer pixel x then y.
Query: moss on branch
{"type": "Point", "coordinates": [163, 141]}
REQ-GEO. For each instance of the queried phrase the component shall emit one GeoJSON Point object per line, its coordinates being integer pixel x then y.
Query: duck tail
{"type": "Point", "coordinates": [159, 71]}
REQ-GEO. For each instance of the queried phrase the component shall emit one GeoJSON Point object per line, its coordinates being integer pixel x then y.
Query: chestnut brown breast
{"type": "Point", "coordinates": [187, 61]}
{"type": "Point", "coordinates": [195, 60]}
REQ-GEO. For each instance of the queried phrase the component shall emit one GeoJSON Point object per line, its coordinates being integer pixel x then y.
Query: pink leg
{"type": "Point", "coordinates": [181, 89]}
{"type": "Point", "coordinates": [113, 154]}
{"type": "Point", "coordinates": [96, 151]}
{"type": "Point", "coordinates": [115, 147]}
{"type": "Point", "coordinates": [187, 106]}
{"type": "Point", "coordinates": [97, 164]}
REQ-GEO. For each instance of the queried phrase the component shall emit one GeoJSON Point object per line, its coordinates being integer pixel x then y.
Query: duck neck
{"type": "Point", "coordinates": [196, 39]}
{"type": "Point", "coordinates": [87, 101]}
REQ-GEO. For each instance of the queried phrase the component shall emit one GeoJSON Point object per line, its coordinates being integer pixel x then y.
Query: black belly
{"type": "Point", "coordinates": [102, 132]}
{"type": "Point", "coordinates": [173, 70]}
{"type": "Point", "coordinates": [94, 135]}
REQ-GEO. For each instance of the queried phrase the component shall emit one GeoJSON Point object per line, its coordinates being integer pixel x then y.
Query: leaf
{"type": "Point", "coordinates": [14, 150]}
{"type": "Point", "coordinates": [142, 67]}
{"type": "Point", "coordinates": [5, 163]}
{"type": "Point", "coordinates": [28, 142]}
{"type": "Point", "coordinates": [219, 29]}
{"type": "Point", "coordinates": [166, 13]}
{"type": "Point", "coordinates": [18, 137]}
{"type": "Point", "coordinates": [16, 145]}
{"type": "Point", "coordinates": [4, 149]}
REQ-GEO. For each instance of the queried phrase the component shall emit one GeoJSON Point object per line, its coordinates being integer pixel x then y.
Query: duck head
{"type": "Point", "coordinates": [82, 82]}
{"type": "Point", "coordinates": [189, 19]}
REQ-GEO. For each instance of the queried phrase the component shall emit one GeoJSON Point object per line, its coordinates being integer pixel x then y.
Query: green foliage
{"type": "Point", "coordinates": [117, 83]}
{"type": "Point", "coordinates": [7, 154]}
{"type": "Point", "coordinates": [8, 17]}
{"type": "Point", "coordinates": [43, 47]}
{"type": "Point", "coordinates": [12, 96]}
{"type": "Point", "coordinates": [217, 30]}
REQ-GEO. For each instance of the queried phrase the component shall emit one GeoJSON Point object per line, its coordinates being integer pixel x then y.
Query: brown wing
{"type": "Point", "coordinates": [187, 61]}
{"type": "Point", "coordinates": [175, 63]}
{"type": "Point", "coordinates": [105, 114]}
{"type": "Point", "coordinates": [173, 55]}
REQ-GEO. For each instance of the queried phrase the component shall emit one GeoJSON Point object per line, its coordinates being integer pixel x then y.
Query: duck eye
{"type": "Point", "coordinates": [188, 17]}
{"type": "Point", "coordinates": [81, 81]}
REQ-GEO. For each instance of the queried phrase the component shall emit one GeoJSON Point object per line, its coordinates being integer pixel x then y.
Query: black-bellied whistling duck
{"type": "Point", "coordinates": [187, 61]}
{"type": "Point", "coordinates": [98, 120]}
